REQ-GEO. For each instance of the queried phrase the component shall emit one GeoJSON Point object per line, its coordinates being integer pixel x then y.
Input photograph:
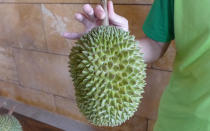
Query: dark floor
{"type": "Point", "coordinates": [29, 124]}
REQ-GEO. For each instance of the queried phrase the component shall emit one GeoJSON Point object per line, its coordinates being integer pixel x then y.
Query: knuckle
{"type": "Point", "coordinates": [86, 6]}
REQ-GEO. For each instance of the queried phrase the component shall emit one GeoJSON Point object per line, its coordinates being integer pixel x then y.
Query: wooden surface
{"type": "Point", "coordinates": [29, 124]}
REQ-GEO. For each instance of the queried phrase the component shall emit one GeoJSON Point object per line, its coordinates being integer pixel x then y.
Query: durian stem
{"type": "Point", "coordinates": [106, 20]}
{"type": "Point", "coordinates": [12, 110]}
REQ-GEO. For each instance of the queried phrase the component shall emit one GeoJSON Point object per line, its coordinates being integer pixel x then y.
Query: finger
{"type": "Point", "coordinates": [111, 8]}
{"type": "Point", "coordinates": [72, 36]}
{"type": "Point", "coordinates": [89, 12]}
{"type": "Point", "coordinates": [99, 12]}
{"type": "Point", "coordinates": [79, 17]}
{"type": "Point", "coordinates": [82, 19]}
{"type": "Point", "coordinates": [115, 18]}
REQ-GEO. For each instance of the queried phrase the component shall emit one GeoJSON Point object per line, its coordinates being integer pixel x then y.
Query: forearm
{"type": "Point", "coordinates": [151, 49]}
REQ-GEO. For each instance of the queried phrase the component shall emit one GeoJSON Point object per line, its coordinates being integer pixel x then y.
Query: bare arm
{"type": "Point", "coordinates": [90, 18]}
{"type": "Point", "coordinates": [151, 49]}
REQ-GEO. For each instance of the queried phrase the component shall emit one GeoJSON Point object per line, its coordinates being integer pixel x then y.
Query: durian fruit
{"type": "Point", "coordinates": [108, 72]}
{"type": "Point", "coordinates": [9, 123]}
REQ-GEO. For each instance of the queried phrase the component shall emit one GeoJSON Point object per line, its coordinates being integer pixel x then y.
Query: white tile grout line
{"type": "Point", "coordinates": [49, 118]}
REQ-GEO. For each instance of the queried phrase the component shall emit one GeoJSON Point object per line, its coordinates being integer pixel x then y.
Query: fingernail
{"type": "Point", "coordinates": [65, 34]}
{"type": "Point", "coordinates": [78, 16]}
{"type": "Point", "coordinates": [88, 9]}
{"type": "Point", "coordinates": [99, 7]}
{"type": "Point", "coordinates": [101, 13]}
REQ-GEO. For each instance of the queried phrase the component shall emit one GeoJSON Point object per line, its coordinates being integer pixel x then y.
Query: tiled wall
{"type": "Point", "coordinates": [34, 57]}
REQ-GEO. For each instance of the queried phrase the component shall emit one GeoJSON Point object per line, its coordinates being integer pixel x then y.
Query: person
{"type": "Point", "coordinates": [185, 103]}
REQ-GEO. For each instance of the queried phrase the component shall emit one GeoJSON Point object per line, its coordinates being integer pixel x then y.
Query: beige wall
{"type": "Point", "coordinates": [34, 57]}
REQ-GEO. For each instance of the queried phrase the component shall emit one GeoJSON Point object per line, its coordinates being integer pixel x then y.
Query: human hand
{"type": "Point", "coordinates": [91, 18]}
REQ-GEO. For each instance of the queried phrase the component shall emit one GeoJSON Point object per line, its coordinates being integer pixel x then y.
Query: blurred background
{"type": "Point", "coordinates": [34, 57]}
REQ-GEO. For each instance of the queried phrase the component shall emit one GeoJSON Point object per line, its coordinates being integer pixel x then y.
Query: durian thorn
{"type": "Point", "coordinates": [12, 110]}
{"type": "Point", "coordinates": [106, 19]}
{"type": "Point", "coordinates": [3, 104]}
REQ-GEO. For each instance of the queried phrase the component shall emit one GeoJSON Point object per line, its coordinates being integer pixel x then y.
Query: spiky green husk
{"type": "Point", "coordinates": [9, 123]}
{"type": "Point", "coordinates": [108, 72]}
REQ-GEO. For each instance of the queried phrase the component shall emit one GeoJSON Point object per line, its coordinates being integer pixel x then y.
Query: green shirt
{"type": "Point", "coordinates": [159, 24]}
{"type": "Point", "coordinates": [185, 104]}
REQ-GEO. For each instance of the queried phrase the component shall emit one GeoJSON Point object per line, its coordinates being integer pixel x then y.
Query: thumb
{"type": "Point", "coordinates": [111, 8]}
{"type": "Point", "coordinates": [114, 18]}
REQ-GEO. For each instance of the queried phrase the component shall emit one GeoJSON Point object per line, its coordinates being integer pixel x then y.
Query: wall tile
{"type": "Point", "coordinates": [136, 14]}
{"type": "Point", "coordinates": [151, 124]}
{"type": "Point", "coordinates": [127, 1]}
{"type": "Point", "coordinates": [7, 65]}
{"type": "Point", "coordinates": [27, 96]}
{"type": "Point", "coordinates": [79, 1]}
{"type": "Point", "coordinates": [35, 98]}
{"type": "Point", "coordinates": [45, 72]}
{"type": "Point", "coordinates": [156, 83]}
{"type": "Point", "coordinates": [21, 26]}
{"type": "Point", "coordinates": [166, 62]}
{"type": "Point", "coordinates": [136, 123]}
{"type": "Point", "coordinates": [45, 1]}
{"type": "Point", "coordinates": [60, 18]}
{"type": "Point", "coordinates": [7, 89]}
{"type": "Point", "coordinates": [68, 107]}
